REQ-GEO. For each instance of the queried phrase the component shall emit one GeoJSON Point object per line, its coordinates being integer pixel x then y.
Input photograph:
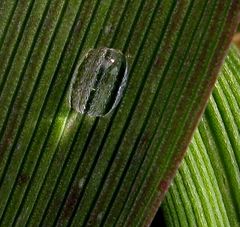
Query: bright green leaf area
{"type": "Point", "coordinates": [206, 189]}
{"type": "Point", "coordinates": [62, 168]}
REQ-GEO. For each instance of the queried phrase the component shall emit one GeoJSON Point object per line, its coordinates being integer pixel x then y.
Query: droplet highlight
{"type": "Point", "coordinates": [99, 82]}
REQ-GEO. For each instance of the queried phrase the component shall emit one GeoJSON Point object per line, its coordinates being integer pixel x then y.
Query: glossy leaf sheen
{"type": "Point", "coordinates": [58, 167]}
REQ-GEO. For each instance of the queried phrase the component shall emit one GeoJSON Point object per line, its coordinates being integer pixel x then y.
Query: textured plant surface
{"type": "Point", "coordinates": [206, 189]}
{"type": "Point", "coordinates": [58, 167]}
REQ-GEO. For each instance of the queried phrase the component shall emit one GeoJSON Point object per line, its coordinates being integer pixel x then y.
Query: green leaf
{"type": "Point", "coordinates": [59, 167]}
{"type": "Point", "coordinates": [206, 189]}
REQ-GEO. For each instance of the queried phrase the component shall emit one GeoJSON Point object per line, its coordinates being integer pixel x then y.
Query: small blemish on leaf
{"type": "Point", "coordinates": [22, 179]}
{"type": "Point", "coordinates": [71, 201]}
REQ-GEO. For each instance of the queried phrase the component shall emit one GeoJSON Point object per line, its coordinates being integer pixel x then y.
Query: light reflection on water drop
{"type": "Point", "coordinates": [99, 82]}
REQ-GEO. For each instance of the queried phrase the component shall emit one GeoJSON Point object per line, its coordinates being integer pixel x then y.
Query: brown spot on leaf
{"type": "Point", "coordinates": [8, 135]}
{"type": "Point", "coordinates": [163, 186]}
{"type": "Point", "coordinates": [71, 202]}
{"type": "Point", "coordinates": [22, 179]}
{"type": "Point", "coordinates": [158, 62]}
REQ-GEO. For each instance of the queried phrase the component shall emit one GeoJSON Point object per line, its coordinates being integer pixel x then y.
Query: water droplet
{"type": "Point", "coordinates": [99, 82]}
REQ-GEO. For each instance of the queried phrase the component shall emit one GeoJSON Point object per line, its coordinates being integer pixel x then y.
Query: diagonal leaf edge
{"type": "Point", "coordinates": [206, 188]}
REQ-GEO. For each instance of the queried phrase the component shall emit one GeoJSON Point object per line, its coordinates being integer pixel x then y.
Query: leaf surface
{"type": "Point", "coordinates": [58, 167]}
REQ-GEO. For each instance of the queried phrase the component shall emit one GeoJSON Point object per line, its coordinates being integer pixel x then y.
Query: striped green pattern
{"type": "Point", "coordinates": [58, 167]}
{"type": "Point", "coordinates": [206, 189]}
